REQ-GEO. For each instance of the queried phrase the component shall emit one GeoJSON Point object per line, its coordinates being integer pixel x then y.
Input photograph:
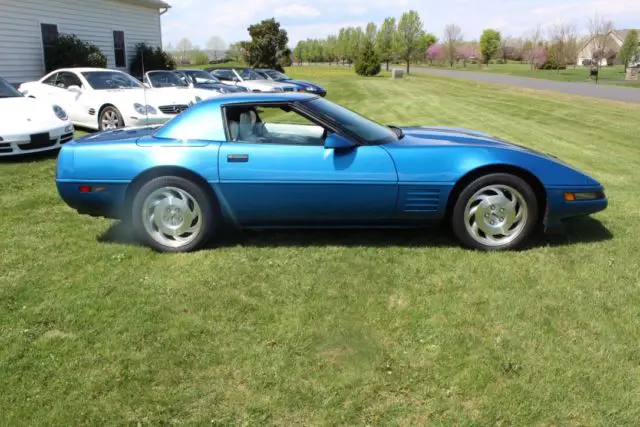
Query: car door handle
{"type": "Point", "coordinates": [237, 158]}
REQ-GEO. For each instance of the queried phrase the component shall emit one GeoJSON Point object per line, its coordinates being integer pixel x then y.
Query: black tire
{"type": "Point", "coordinates": [110, 110]}
{"type": "Point", "coordinates": [210, 213]}
{"type": "Point", "coordinates": [466, 237]}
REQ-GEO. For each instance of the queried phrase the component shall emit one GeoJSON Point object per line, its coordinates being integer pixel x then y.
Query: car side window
{"type": "Point", "coordinates": [277, 124]}
{"type": "Point", "coordinates": [51, 80]}
{"type": "Point", "coordinates": [66, 79]}
{"type": "Point", "coordinates": [224, 74]}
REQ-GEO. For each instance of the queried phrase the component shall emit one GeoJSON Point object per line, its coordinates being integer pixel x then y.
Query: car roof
{"type": "Point", "coordinates": [85, 69]}
{"type": "Point", "coordinates": [257, 98]}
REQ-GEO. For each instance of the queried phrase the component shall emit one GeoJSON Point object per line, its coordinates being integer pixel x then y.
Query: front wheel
{"type": "Point", "coordinates": [110, 118]}
{"type": "Point", "coordinates": [173, 214]}
{"type": "Point", "coordinates": [495, 212]}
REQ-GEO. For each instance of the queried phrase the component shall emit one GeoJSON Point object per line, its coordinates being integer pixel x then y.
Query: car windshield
{"type": "Point", "coordinates": [201, 76]}
{"type": "Point", "coordinates": [160, 79]}
{"type": "Point", "coordinates": [105, 80]}
{"type": "Point", "coordinates": [277, 75]}
{"type": "Point", "coordinates": [248, 74]}
{"type": "Point", "coordinates": [8, 91]}
{"type": "Point", "coordinates": [370, 132]}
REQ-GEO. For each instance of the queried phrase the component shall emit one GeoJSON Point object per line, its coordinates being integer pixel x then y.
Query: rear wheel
{"type": "Point", "coordinates": [110, 118]}
{"type": "Point", "coordinates": [174, 214]}
{"type": "Point", "coordinates": [495, 212]}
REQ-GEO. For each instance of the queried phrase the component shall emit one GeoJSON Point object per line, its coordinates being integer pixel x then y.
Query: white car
{"type": "Point", "coordinates": [248, 78]}
{"type": "Point", "coordinates": [163, 80]}
{"type": "Point", "coordinates": [30, 125]}
{"type": "Point", "coordinates": [100, 99]}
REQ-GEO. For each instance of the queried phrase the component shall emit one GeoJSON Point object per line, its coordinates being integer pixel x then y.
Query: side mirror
{"type": "Point", "coordinates": [147, 85]}
{"type": "Point", "coordinates": [75, 89]}
{"type": "Point", "coordinates": [337, 142]}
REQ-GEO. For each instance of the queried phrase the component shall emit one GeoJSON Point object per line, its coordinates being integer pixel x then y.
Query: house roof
{"type": "Point", "coordinates": [159, 4]}
{"type": "Point", "coordinates": [622, 34]}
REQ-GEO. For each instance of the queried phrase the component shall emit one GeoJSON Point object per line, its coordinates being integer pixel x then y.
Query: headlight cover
{"type": "Point", "coordinates": [60, 113]}
{"type": "Point", "coordinates": [144, 109]}
{"type": "Point", "coordinates": [311, 89]}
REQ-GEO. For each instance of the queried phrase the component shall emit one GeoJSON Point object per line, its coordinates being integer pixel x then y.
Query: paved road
{"type": "Point", "coordinates": [603, 91]}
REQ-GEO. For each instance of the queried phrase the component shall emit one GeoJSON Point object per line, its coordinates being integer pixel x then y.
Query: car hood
{"type": "Point", "coordinates": [302, 82]}
{"type": "Point", "coordinates": [23, 114]}
{"type": "Point", "coordinates": [443, 135]}
{"type": "Point", "coordinates": [216, 86]}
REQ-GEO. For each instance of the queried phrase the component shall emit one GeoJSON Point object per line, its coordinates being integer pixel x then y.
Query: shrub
{"type": "Point", "coordinates": [501, 61]}
{"type": "Point", "coordinates": [154, 59]}
{"type": "Point", "coordinates": [368, 62]}
{"type": "Point", "coordinates": [70, 51]}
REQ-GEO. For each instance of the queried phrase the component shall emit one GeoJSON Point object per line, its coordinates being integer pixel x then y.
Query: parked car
{"type": "Point", "coordinates": [246, 77]}
{"type": "Point", "coordinates": [299, 160]}
{"type": "Point", "coordinates": [30, 125]}
{"type": "Point", "coordinates": [165, 80]}
{"type": "Point", "coordinates": [204, 80]}
{"type": "Point", "coordinates": [302, 85]}
{"type": "Point", "coordinates": [100, 99]}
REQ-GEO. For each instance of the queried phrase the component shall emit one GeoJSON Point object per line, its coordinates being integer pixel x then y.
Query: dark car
{"type": "Point", "coordinates": [201, 79]}
{"type": "Point", "coordinates": [277, 76]}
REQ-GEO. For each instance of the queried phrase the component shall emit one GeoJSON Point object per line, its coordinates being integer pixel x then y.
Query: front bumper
{"type": "Point", "coordinates": [559, 209]}
{"type": "Point", "coordinates": [13, 145]}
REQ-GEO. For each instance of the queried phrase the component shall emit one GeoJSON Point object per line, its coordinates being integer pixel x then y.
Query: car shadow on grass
{"type": "Point", "coordinates": [30, 157]}
{"type": "Point", "coordinates": [579, 230]}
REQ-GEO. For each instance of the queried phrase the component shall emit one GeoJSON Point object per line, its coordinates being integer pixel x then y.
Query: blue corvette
{"type": "Point", "coordinates": [297, 160]}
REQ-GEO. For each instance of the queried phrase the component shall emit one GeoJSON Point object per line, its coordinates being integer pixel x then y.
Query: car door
{"type": "Point", "coordinates": [278, 172]}
{"type": "Point", "coordinates": [67, 93]}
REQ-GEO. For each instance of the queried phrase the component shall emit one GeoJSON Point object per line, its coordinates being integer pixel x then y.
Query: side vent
{"type": "Point", "coordinates": [92, 111]}
{"type": "Point", "coordinates": [418, 199]}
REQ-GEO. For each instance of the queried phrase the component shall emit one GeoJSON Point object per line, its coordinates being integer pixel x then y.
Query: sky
{"type": "Point", "coordinates": [199, 20]}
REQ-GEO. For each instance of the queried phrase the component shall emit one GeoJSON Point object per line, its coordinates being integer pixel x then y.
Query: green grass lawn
{"type": "Point", "coordinates": [608, 75]}
{"type": "Point", "coordinates": [335, 328]}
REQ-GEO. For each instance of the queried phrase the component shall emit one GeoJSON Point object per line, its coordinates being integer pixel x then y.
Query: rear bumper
{"type": "Point", "coordinates": [104, 200]}
{"type": "Point", "coordinates": [559, 209]}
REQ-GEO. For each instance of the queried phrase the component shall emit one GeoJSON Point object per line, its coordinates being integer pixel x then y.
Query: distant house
{"type": "Point", "coordinates": [115, 26]}
{"type": "Point", "coordinates": [612, 44]}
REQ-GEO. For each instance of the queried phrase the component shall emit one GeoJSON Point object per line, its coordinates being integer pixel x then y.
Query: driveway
{"type": "Point", "coordinates": [603, 91]}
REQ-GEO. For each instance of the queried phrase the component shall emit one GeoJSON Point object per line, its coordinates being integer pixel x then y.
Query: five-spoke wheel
{"type": "Point", "coordinates": [110, 118]}
{"type": "Point", "coordinates": [497, 211]}
{"type": "Point", "coordinates": [174, 214]}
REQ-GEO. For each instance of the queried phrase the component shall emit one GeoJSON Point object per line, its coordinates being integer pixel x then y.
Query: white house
{"type": "Point", "coordinates": [611, 44]}
{"type": "Point", "coordinates": [115, 26]}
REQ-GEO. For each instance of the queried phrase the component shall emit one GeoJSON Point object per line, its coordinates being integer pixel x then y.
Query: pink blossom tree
{"type": "Point", "coordinates": [466, 52]}
{"type": "Point", "coordinates": [539, 57]}
{"type": "Point", "coordinates": [435, 52]}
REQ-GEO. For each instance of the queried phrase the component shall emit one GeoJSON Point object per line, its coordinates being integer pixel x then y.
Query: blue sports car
{"type": "Point", "coordinates": [302, 85]}
{"type": "Point", "coordinates": [297, 160]}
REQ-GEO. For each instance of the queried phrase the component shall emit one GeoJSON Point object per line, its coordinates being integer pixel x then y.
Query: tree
{"type": "Point", "coordinates": [70, 51]}
{"type": "Point", "coordinates": [535, 38]}
{"type": "Point", "coordinates": [538, 57]}
{"type": "Point", "coordinates": [184, 45]}
{"type": "Point", "coordinates": [408, 37]}
{"type": "Point", "coordinates": [236, 52]}
{"type": "Point", "coordinates": [371, 31]}
{"type": "Point", "coordinates": [216, 44]}
{"type": "Point", "coordinates": [452, 37]}
{"type": "Point", "coordinates": [489, 44]}
{"type": "Point", "coordinates": [435, 52]}
{"type": "Point", "coordinates": [466, 52]}
{"type": "Point", "coordinates": [426, 41]}
{"type": "Point", "coordinates": [368, 62]}
{"type": "Point", "coordinates": [384, 40]}
{"type": "Point", "coordinates": [268, 45]}
{"type": "Point", "coordinates": [599, 30]}
{"type": "Point", "coordinates": [629, 49]}
{"type": "Point", "coordinates": [147, 58]}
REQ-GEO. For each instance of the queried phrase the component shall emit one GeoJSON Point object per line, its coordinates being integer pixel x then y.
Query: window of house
{"type": "Point", "coordinates": [119, 50]}
{"type": "Point", "coordinates": [49, 35]}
